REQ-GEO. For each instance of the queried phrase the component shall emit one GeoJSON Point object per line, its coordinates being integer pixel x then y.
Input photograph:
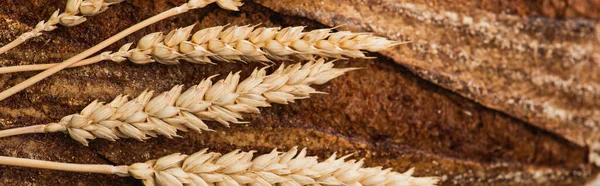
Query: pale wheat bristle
{"type": "Point", "coordinates": [224, 101]}
{"type": "Point", "coordinates": [291, 168]}
{"type": "Point", "coordinates": [247, 43]}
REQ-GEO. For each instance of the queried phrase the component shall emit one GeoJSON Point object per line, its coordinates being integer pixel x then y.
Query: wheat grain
{"type": "Point", "coordinates": [237, 43]}
{"type": "Point", "coordinates": [224, 101]}
{"type": "Point", "coordinates": [202, 168]}
{"type": "Point", "coordinates": [74, 14]}
{"type": "Point", "coordinates": [191, 4]}
{"type": "Point", "coordinates": [291, 168]}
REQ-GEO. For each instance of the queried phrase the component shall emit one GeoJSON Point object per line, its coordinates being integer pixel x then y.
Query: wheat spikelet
{"type": "Point", "coordinates": [74, 14]}
{"type": "Point", "coordinates": [235, 43]}
{"type": "Point", "coordinates": [247, 43]}
{"type": "Point", "coordinates": [291, 168]}
{"type": "Point", "coordinates": [204, 168]}
{"type": "Point", "coordinates": [224, 101]}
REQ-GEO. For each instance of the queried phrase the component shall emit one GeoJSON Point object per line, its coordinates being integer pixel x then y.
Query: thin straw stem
{"type": "Point", "coordinates": [40, 164]}
{"type": "Point", "coordinates": [11, 45]}
{"type": "Point", "coordinates": [26, 68]}
{"type": "Point", "coordinates": [17, 88]}
{"type": "Point", "coordinates": [22, 130]}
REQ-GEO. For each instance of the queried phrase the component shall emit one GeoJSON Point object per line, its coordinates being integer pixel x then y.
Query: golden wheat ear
{"type": "Point", "coordinates": [224, 101]}
{"type": "Point", "coordinates": [191, 4]}
{"type": "Point", "coordinates": [289, 168]}
{"type": "Point", "coordinates": [236, 43]}
{"type": "Point", "coordinates": [276, 168]}
{"type": "Point", "coordinates": [74, 14]}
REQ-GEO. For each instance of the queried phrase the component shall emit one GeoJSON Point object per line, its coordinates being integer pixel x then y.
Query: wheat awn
{"type": "Point", "coordinates": [236, 43]}
{"type": "Point", "coordinates": [191, 4]}
{"type": "Point", "coordinates": [203, 168]}
{"type": "Point", "coordinates": [224, 101]}
{"type": "Point", "coordinates": [74, 14]}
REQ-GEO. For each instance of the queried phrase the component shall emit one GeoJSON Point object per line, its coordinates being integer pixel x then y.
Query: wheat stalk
{"type": "Point", "coordinates": [191, 4]}
{"type": "Point", "coordinates": [290, 168]}
{"type": "Point", "coordinates": [236, 43]}
{"type": "Point", "coordinates": [74, 14]}
{"type": "Point", "coordinates": [224, 101]}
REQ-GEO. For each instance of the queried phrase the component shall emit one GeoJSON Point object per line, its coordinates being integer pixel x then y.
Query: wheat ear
{"type": "Point", "coordinates": [236, 43]}
{"type": "Point", "coordinates": [205, 168]}
{"type": "Point", "coordinates": [224, 101]}
{"type": "Point", "coordinates": [191, 4]}
{"type": "Point", "coordinates": [74, 14]}
{"type": "Point", "coordinates": [291, 168]}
